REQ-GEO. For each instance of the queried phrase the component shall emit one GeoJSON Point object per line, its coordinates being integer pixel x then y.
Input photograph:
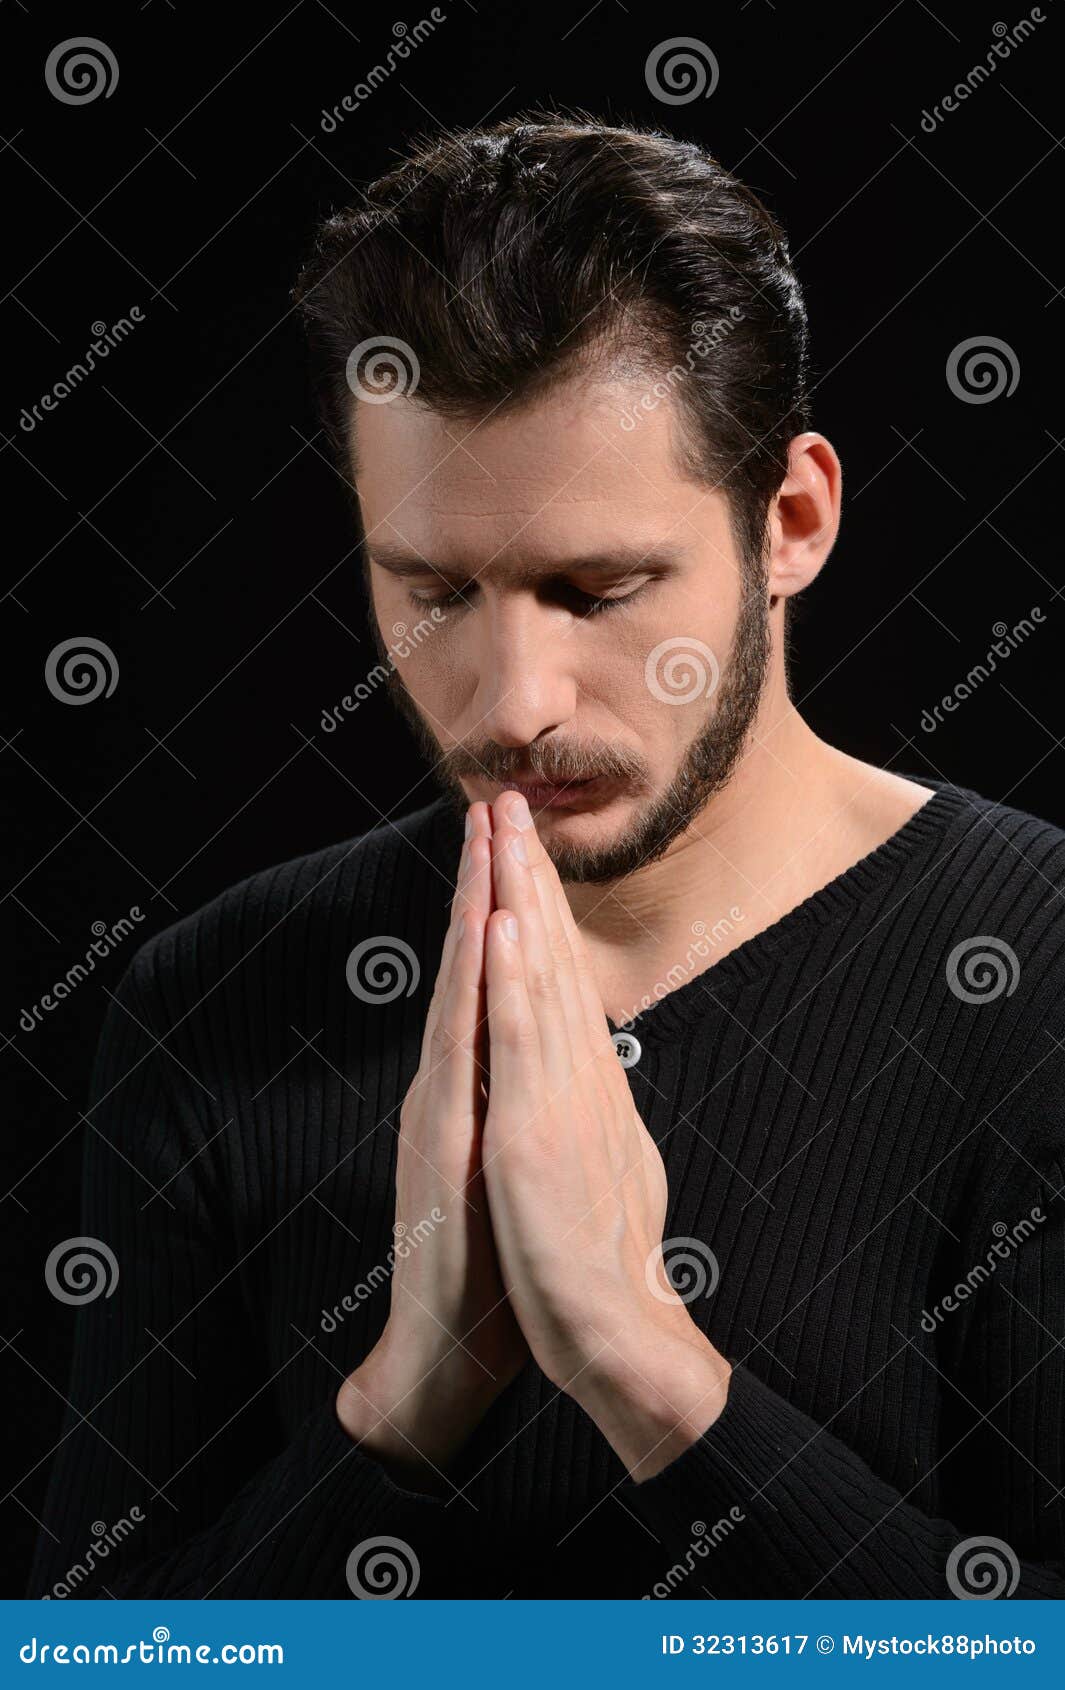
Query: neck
{"type": "Point", "coordinates": [796, 813]}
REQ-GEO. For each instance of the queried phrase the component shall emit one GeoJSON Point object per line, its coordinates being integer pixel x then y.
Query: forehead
{"type": "Point", "coordinates": [587, 461]}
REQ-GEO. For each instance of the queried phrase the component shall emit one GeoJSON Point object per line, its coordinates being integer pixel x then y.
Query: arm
{"type": "Point", "coordinates": [703, 1439]}
{"type": "Point", "coordinates": [171, 1414]}
{"type": "Point", "coordinates": [815, 1521]}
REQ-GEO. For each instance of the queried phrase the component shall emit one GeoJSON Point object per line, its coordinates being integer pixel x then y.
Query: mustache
{"type": "Point", "coordinates": [554, 763]}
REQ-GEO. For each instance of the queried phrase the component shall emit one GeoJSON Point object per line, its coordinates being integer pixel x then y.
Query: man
{"type": "Point", "coordinates": [639, 1171]}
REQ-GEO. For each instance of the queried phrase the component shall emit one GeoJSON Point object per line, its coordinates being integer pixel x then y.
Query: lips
{"type": "Point", "coordinates": [561, 795]}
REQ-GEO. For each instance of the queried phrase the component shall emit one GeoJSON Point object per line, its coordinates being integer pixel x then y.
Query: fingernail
{"type": "Point", "coordinates": [519, 812]}
{"type": "Point", "coordinates": [469, 824]}
{"type": "Point", "coordinates": [510, 928]}
{"type": "Point", "coordinates": [517, 849]}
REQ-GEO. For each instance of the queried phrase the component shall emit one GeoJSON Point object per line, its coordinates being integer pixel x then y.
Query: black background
{"type": "Point", "coordinates": [179, 505]}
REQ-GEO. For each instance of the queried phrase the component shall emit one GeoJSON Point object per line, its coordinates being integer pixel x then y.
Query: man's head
{"type": "Point", "coordinates": [564, 365]}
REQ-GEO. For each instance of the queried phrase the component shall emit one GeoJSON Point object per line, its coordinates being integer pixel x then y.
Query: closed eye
{"type": "Point", "coordinates": [583, 604]}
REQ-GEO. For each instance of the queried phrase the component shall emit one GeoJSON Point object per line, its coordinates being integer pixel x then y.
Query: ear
{"type": "Point", "coordinates": [804, 515]}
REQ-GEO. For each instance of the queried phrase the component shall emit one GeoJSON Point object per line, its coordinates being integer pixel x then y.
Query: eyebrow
{"type": "Point", "coordinates": [621, 561]}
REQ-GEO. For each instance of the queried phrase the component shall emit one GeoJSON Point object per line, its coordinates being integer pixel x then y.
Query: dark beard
{"type": "Point", "coordinates": [707, 766]}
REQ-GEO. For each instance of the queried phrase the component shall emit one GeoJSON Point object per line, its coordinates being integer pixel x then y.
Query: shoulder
{"type": "Point", "coordinates": [996, 933]}
{"type": "Point", "coordinates": [1000, 874]}
{"type": "Point", "coordinates": [296, 920]}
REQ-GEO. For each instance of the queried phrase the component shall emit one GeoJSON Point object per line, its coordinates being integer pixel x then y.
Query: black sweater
{"type": "Point", "coordinates": [852, 1119]}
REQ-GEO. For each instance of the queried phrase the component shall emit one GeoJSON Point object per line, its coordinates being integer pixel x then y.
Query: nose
{"type": "Point", "coordinates": [524, 686]}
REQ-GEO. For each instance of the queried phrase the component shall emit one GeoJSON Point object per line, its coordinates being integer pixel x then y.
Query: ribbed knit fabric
{"type": "Point", "coordinates": [851, 1120]}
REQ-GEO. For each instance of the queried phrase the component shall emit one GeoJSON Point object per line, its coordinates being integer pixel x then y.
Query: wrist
{"type": "Point", "coordinates": [412, 1411]}
{"type": "Point", "coordinates": [654, 1390]}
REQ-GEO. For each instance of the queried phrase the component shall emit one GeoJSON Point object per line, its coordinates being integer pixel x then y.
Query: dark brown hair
{"type": "Point", "coordinates": [507, 257]}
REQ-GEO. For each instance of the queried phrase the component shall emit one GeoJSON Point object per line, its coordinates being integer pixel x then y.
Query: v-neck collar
{"type": "Point", "coordinates": [672, 1012]}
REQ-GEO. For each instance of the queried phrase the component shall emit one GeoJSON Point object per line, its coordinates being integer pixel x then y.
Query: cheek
{"type": "Point", "coordinates": [658, 670]}
{"type": "Point", "coordinates": [685, 649]}
{"type": "Point", "coordinates": [429, 663]}
{"type": "Point", "coordinates": [390, 602]}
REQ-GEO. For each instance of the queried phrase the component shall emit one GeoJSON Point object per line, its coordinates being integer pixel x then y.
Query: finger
{"type": "Point", "coordinates": [518, 1080]}
{"type": "Point", "coordinates": [586, 1017]}
{"type": "Point", "coordinates": [451, 1109]}
{"type": "Point", "coordinates": [454, 1073]}
{"type": "Point", "coordinates": [515, 888]}
{"type": "Point", "coordinates": [478, 889]}
{"type": "Point", "coordinates": [470, 880]}
{"type": "Point", "coordinates": [596, 1030]}
{"type": "Point", "coordinates": [549, 893]}
{"type": "Point", "coordinates": [478, 894]}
